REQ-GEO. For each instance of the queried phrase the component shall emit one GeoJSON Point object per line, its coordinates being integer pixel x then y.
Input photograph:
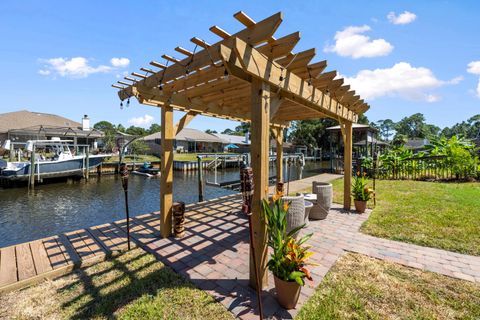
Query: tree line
{"type": "Point", "coordinates": [312, 133]}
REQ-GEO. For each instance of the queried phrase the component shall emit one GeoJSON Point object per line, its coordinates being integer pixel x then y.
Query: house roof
{"type": "Point", "coordinates": [26, 119]}
{"type": "Point", "coordinates": [188, 134]}
{"type": "Point", "coordinates": [230, 138]}
{"type": "Point", "coordinates": [416, 143]}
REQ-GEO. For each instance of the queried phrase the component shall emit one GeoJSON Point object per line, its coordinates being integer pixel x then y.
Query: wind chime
{"type": "Point", "coordinates": [246, 181]}
{"type": "Point", "coordinates": [124, 176]}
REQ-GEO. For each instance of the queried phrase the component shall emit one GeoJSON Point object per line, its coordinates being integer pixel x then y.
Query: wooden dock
{"type": "Point", "coordinates": [27, 263]}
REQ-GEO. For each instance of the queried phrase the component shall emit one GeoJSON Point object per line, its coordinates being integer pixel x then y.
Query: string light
{"type": "Point", "coordinates": [128, 102]}
{"type": "Point", "coordinates": [121, 105]}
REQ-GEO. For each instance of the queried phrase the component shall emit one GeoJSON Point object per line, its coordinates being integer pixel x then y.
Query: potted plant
{"type": "Point", "coordinates": [288, 260]}
{"type": "Point", "coordinates": [361, 192]}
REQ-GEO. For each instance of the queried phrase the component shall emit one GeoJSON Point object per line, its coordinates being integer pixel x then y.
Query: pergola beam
{"type": "Point", "coordinates": [253, 34]}
{"type": "Point", "coordinates": [183, 122]}
{"type": "Point", "coordinates": [250, 61]}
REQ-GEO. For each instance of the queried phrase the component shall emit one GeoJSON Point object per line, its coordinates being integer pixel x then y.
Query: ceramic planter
{"type": "Point", "coordinates": [287, 292]}
{"type": "Point", "coordinates": [360, 206]}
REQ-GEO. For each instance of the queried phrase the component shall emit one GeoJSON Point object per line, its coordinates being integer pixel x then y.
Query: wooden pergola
{"type": "Point", "coordinates": [249, 76]}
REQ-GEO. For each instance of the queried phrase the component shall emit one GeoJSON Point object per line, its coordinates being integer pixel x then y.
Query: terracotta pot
{"type": "Point", "coordinates": [287, 292]}
{"type": "Point", "coordinates": [360, 206]}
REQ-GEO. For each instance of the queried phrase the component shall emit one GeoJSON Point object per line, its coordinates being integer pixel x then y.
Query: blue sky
{"type": "Point", "coordinates": [404, 56]}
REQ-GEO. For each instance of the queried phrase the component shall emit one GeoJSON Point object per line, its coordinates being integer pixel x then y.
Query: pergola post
{"type": "Point", "coordinates": [347, 165]}
{"type": "Point", "coordinates": [166, 166]}
{"type": "Point", "coordinates": [260, 110]}
{"type": "Point", "coordinates": [279, 141]}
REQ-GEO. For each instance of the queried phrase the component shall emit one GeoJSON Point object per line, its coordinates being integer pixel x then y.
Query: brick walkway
{"type": "Point", "coordinates": [214, 254]}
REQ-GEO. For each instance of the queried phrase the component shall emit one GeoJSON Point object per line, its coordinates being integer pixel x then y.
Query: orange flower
{"type": "Point", "coordinates": [285, 206]}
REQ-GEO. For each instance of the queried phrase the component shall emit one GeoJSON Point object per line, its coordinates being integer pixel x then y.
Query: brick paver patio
{"type": "Point", "coordinates": [214, 253]}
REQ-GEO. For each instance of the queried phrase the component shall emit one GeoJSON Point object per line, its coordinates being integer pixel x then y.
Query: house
{"type": "Point", "coordinates": [242, 142]}
{"type": "Point", "coordinates": [416, 144]}
{"type": "Point", "coordinates": [187, 140]}
{"type": "Point", "coordinates": [24, 125]}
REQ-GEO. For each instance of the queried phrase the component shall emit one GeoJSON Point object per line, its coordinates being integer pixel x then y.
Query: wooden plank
{"type": "Point", "coordinates": [260, 165]}
{"type": "Point", "coordinates": [298, 61]}
{"type": "Point", "coordinates": [40, 257]}
{"type": "Point", "coordinates": [25, 265]}
{"type": "Point", "coordinates": [347, 177]}
{"type": "Point", "coordinates": [170, 58]}
{"type": "Point", "coordinates": [68, 249]}
{"type": "Point", "coordinates": [8, 266]}
{"type": "Point", "coordinates": [183, 122]}
{"type": "Point", "coordinates": [166, 178]}
{"type": "Point", "coordinates": [54, 252]}
{"type": "Point", "coordinates": [244, 19]}
{"type": "Point", "coordinates": [312, 70]}
{"type": "Point", "coordinates": [184, 51]}
{"type": "Point", "coordinates": [219, 32]}
{"type": "Point", "coordinates": [158, 64]}
{"type": "Point", "coordinates": [281, 46]}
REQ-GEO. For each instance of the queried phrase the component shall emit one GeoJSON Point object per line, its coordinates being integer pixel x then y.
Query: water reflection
{"type": "Point", "coordinates": [54, 208]}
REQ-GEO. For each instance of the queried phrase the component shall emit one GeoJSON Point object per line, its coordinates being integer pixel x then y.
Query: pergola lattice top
{"type": "Point", "coordinates": [215, 80]}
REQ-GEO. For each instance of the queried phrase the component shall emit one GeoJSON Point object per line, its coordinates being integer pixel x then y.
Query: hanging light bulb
{"type": "Point", "coordinates": [128, 102]}
{"type": "Point", "coordinates": [121, 105]}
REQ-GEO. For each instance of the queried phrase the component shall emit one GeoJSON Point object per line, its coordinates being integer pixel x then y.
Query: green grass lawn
{"type": "Point", "coordinates": [359, 287]}
{"type": "Point", "coordinates": [440, 215]}
{"type": "Point", "coordinates": [133, 285]}
{"type": "Point", "coordinates": [130, 158]}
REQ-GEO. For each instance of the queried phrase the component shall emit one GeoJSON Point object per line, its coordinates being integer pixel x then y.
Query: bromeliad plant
{"type": "Point", "coordinates": [289, 258]}
{"type": "Point", "coordinates": [360, 189]}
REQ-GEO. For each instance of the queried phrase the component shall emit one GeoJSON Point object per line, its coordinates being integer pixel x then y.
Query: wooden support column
{"type": "Point", "coordinates": [279, 147]}
{"type": "Point", "coordinates": [166, 166]}
{"type": "Point", "coordinates": [347, 164]}
{"type": "Point", "coordinates": [260, 109]}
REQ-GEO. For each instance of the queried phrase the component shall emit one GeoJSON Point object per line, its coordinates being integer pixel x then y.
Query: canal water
{"type": "Point", "coordinates": [60, 207]}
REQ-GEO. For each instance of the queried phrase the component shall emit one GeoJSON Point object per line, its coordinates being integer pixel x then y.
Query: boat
{"type": "Point", "coordinates": [147, 170]}
{"type": "Point", "coordinates": [59, 161]}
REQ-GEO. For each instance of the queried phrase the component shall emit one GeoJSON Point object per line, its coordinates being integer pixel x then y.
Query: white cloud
{"type": "Point", "coordinates": [401, 80]}
{"type": "Point", "coordinates": [474, 67]}
{"type": "Point", "coordinates": [120, 62]}
{"type": "Point", "coordinates": [141, 121]}
{"type": "Point", "coordinates": [478, 88]}
{"type": "Point", "coordinates": [403, 18]}
{"type": "Point", "coordinates": [77, 67]}
{"type": "Point", "coordinates": [350, 42]}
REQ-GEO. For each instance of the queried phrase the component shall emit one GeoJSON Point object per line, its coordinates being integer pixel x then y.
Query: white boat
{"type": "Point", "coordinates": [62, 163]}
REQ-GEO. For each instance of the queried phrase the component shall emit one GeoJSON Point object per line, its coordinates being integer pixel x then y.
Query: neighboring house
{"type": "Point", "coordinates": [187, 140]}
{"type": "Point", "coordinates": [416, 144]}
{"type": "Point", "coordinates": [242, 142]}
{"type": "Point", "coordinates": [21, 126]}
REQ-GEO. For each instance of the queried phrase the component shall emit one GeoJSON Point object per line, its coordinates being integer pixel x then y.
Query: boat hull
{"type": "Point", "coordinates": [52, 169]}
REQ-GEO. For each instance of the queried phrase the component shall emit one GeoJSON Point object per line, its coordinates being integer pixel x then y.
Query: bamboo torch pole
{"type": "Point", "coordinates": [124, 175]}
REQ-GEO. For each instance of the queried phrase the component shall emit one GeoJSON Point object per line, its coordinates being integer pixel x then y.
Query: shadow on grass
{"type": "Point", "coordinates": [102, 290]}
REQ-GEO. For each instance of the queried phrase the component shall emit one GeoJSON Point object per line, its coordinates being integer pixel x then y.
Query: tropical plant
{"type": "Point", "coordinates": [360, 189]}
{"type": "Point", "coordinates": [289, 256]}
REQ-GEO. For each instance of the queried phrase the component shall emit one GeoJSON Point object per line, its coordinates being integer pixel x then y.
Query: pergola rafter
{"type": "Point", "coordinates": [248, 76]}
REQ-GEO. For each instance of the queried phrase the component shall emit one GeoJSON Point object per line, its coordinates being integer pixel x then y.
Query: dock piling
{"type": "Point", "coordinates": [200, 179]}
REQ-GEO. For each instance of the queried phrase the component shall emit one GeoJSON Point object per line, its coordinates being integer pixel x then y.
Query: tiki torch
{"type": "Point", "coordinates": [124, 175]}
{"type": "Point", "coordinates": [246, 181]}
